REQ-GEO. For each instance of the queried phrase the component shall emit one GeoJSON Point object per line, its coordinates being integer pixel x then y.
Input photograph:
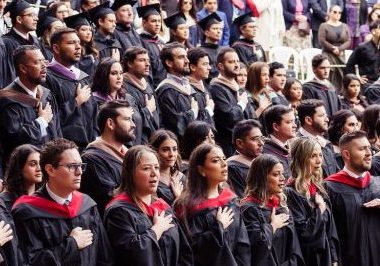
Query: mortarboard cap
{"type": "Point", "coordinates": [16, 7]}
{"type": "Point", "coordinates": [243, 19]}
{"type": "Point", "coordinates": [44, 22]}
{"type": "Point", "coordinates": [100, 11]}
{"type": "Point", "coordinates": [145, 11]}
{"type": "Point", "coordinates": [174, 20]}
{"type": "Point", "coordinates": [206, 22]}
{"type": "Point", "coordinates": [77, 20]}
{"type": "Point", "coordinates": [119, 3]}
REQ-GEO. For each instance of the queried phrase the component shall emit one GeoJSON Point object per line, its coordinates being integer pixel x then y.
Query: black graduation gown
{"type": "Point", "coordinates": [268, 249]}
{"type": "Point", "coordinates": [203, 114]}
{"type": "Point", "coordinates": [150, 122]}
{"type": "Point", "coordinates": [375, 166]}
{"type": "Point", "coordinates": [175, 107]}
{"type": "Point", "coordinates": [213, 245]}
{"type": "Point", "coordinates": [372, 93]}
{"type": "Point", "coordinates": [135, 243]}
{"type": "Point", "coordinates": [12, 41]}
{"type": "Point", "coordinates": [271, 147]}
{"type": "Point", "coordinates": [88, 64]}
{"type": "Point", "coordinates": [18, 123]}
{"type": "Point", "coordinates": [237, 177]}
{"type": "Point", "coordinates": [44, 226]}
{"type": "Point", "coordinates": [315, 90]}
{"type": "Point", "coordinates": [316, 231]}
{"type": "Point", "coordinates": [102, 175]}
{"type": "Point", "coordinates": [157, 69]}
{"type": "Point", "coordinates": [105, 45]}
{"type": "Point", "coordinates": [212, 50]}
{"type": "Point", "coordinates": [127, 37]}
{"type": "Point", "coordinates": [227, 113]}
{"type": "Point", "coordinates": [46, 51]}
{"type": "Point", "coordinates": [78, 123]}
{"type": "Point", "coordinates": [249, 51]}
{"type": "Point", "coordinates": [357, 226]}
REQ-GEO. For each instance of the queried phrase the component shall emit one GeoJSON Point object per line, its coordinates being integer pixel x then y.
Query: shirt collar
{"type": "Point", "coordinates": [184, 81]}
{"type": "Point", "coordinates": [320, 139]}
{"type": "Point", "coordinates": [29, 92]}
{"type": "Point", "coordinates": [57, 198]}
{"type": "Point", "coordinates": [352, 174]}
{"type": "Point", "coordinates": [277, 141]}
{"type": "Point", "coordinates": [72, 68]}
{"type": "Point", "coordinates": [25, 36]}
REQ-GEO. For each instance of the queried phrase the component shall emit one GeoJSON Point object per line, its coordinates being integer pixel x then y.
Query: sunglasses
{"type": "Point", "coordinates": [337, 12]}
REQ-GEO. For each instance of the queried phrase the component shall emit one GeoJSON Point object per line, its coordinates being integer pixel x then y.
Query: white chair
{"type": "Point", "coordinates": [347, 54]}
{"type": "Point", "coordinates": [306, 56]}
{"type": "Point", "coordinates": [283, 55]}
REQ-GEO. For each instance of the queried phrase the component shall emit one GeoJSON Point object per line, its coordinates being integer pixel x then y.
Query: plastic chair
{"type": "Point", "coordinates": [306, 56]}
{"type": "Point", "coordinates": [283, 55]}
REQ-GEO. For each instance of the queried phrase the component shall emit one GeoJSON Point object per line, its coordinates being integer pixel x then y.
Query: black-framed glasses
{"type": "Point", "coordinates": [73, 167]}
{"type": "Point", "coordinates": [32, 15]}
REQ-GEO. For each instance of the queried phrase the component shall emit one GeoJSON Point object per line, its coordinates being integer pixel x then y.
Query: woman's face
{"type": "Point", "coordinates": [147, 174]}
{"type": "Point", "coordinates": [316, 160]}
{"type": "Point", "coordinates": [264, 76]}
{"type": "Point", "coordinates": [353, 89]}
{"type": "Point", "coordinates": [276, 179]}
{"type": "Point", "coordinates": [375, 14]}
{"type": "Point", "coordinates": [335, 13]}
{"type": "Point", "coordinates": [168, 153]}
{"type": "Point", "coordinates": [181, 32]}
{"type": "Point", "coordinates": [115, 77]}
{"type": "Point", "coordinates": [62, 12]}
{"type": "Point", "coordinates": [32, 170]}
{"type": "Point", "coordinates": [85, 33]}
{"type": "Point", "coordinates": [215, 167]}
{"type": "Point", "coordinates": [296, 92]}
{"type": "Point", "coordinates": [351, 124]}
{"type": "Point", "coordinates": [241, 79]}
{"type": "Point", "coordinates": [210, 138]}
{"type": "Point", "coordinates": [187, 5]}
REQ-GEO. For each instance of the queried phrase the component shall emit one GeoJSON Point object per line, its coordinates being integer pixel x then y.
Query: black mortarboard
{"type": "Point", "coordinates": [100, 11]}
{"type": "Point", "coordinates": [44, 22]}
{"type": "Point", "coordinates": [243, 19]}
{"type": "Point", "coordinates": [145, 11]}
{"type": "Point", "coordinates": [206, 22]}
{"type": "Point", "coordinates": [16, 7]}
{"type": "Point", "coordinates": [77, 20]}
{"type": "Point", "coordinates": [119, 3]}
{"type": "Point", "coordinates": [174, 20]}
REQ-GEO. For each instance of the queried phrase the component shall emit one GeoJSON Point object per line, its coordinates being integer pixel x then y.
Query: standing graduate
{"type": "Point", "coordinates": [77, 108]}
{"type": "Point", "coordinates": [269, 222]}
{"type": "Point", "coordinates": [355, 199]}
{"type": "Point", "coordinates": [104, 39]}
{"type": "Point", "coordinates": [136, 66]}
{"type": "Point", "coordinates": [248, 50]}
{"type": "Point", "coordinates": [179, 30]}
{"type": "Point", "coordinates": [58, 225]}
{"type": "Point", "coordinates": [124, 32]}
{"type": "Point", "coordinates": [142, 228]}
{"type": "Point", "coordinates": [211, 215]}
{"type": "Point", "coordinates": [308, 201]}
{"type": "Point", "coordinates": [151, 24]}
{"type": "Point", "coordinates": [104, 156]}
{"type": "Point", "coordinates": [45, 28]}
{"type": "Point", "coordinates": [24, 21]}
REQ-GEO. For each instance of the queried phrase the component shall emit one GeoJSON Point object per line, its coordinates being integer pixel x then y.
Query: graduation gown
{"type": "Point", "coordinates": [375, 166]}
{"type": "Point", "coordinates": [212, 50]}
{"type": "Point", "coordinates": [200, 97]}
{"type": "Point", "coordinates": [88, 64]}
{"type": "Point", "coordinates": [135, 243]}
{"type": "Point", "coordinates": [357, 226]}
{"type": "Point", "coordinates": [213, 245]}
{"type": "Point", "coordinates": [237, 177]}
{"type": "Point", "coordinates": [105, 45]}
{"type": "Point", "coordinates": [249, 51]}
{"type": "Point", "coordinates": [127, 37]}
{"type": "Point", "coordinates": [315, 90]}
{"type": "Point", "coordinates": [268, 249]}
{"type": "Point", "coordinates": [18, 116]}
{"type": "Point", "coordinates": [78, 123]}
{"type": "Point", "coordinates": [316, 231]}
{"type": "Point", "coordinates": [46, 51]}
{"type": "Point", "coordinates": [271, 147]}
{"type": "Point", "coordinates": [372, 93]}
{"type": "Point", "coordinates": [44, 227]}
{"type": "Point", "coordinates": [157, 69]}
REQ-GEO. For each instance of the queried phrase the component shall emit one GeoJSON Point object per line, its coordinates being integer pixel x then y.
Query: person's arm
{"type": "Point", "coordinates": [347, 43]}
{"type": "Point", "coordinates": [322, 33]}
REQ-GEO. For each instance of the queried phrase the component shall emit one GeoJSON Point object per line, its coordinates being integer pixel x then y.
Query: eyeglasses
{"type": "Point", "coordinates": [73, 167]}
{"type": "Point", "coordinates": [259, 138]}
{"type": "Point", "coordinates": [32, 15]}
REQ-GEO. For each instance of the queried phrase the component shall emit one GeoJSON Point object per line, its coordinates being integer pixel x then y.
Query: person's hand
{"type": "Point", "coordinates": [209, 102]}
{"type": "Point", "coordinates": [336, 51]}
{"type": "Point", "coordinates": [300, 18]}
{"type": "Point", "coordinates": [243, 97]}
{"type": "Point", "coordinates": [320, 202]}
{"type": "Point", "coordinates": [278, 221]}
{"type": "Point", "coordinates": [46, 113]}
{"type": "Point", "coordinates": [6, 233]}
{"type": "Point", "coordinates": [115, 54]}
{"type": "Point", "coordinates": [375, 203]}
{"type": "Point", "coordinates": [363, 79]}
{"type": "Point", "coordinates": [194, 105]}
{"type": "Point", "coordinates": [82, 237]}
{"type": "Point", "coordinates": [176, 184]}
{"type": "Point", "coordinates": [83, 94]}
{"type": "Point", "coordinates": [150, 104]}
{"type": "Point", "coordinates": [265, 102]}
{"type": "Point", "coordinates": [225, 216]}
{"type": "Point", "coordinates": [161, 223]}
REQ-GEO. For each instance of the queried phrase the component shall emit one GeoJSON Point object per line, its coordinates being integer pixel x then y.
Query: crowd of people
{"type": "Point", "coordinates": [159, 134]}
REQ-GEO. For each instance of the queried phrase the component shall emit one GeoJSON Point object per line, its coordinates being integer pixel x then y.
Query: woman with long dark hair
{"type": "Point", "coordinates": [352, 96]}
{"type": "Point", "coordinates": [189, 9]}
{"type": "Point", "coordinates": [264, 209]}
{"type": "Point", "coordinates": [210, 214]}
{"type": "Point", "coordinates": [142, 229]}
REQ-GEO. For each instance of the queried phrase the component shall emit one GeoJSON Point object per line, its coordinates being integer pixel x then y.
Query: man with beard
{"type": "Point", "coordinates": [355, 199]}
{"type": "Point", "coordinates": [77, 108]}
{"type": "Point", "coordinates": [124, 32]}
{"type": "Point", "coordinates": [151, 24]}
{"type": "Point", "coordinates": [175, 95]}
{"type": "Point", "coordinates": [248, 141]}
{"type": "Point", "coordinates": [104, 156]}
{"type": "Point", "coordinates": [136, 66]}
{"type": "Point", "coordinates": [280, 126]}
{"type": "Point", "coordinates": [248, 50]}
{"type": "Point", "coordinates": [277, 80]}
{"type": "Point", "coordinates": [231, 102]}
{"type": "Point", "coordinates": [320, 87]}
{"type": "Point", "coordinates": [24, 21]}
{"type": "Point", "coordinates": [29, 112]}
{"type": "Point", "coordinates": [314, 124]}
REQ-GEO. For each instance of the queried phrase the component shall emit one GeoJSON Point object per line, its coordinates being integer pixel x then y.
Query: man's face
{"type": "Point", "coordinates": [125, 14]}
{"type": "Point", "coordinates": [28, 19]}
{"type": "Point", "coordinates": [211, 6]}
{"type": "Point", "coordinates": [230, 66]}
{"type": "Point", "coordinates": [202, 69]}
{"type": "Point", "coordinates": [248, 30]}
{"type": "Point", "coordinates": [360, 156]}
{"type": "Point", "coordinates": [214, 33]}
{"type": "Point", "coordinates": [320, 119]}
{"type": "Point", "coordinates": [322, 71]}
{"type": "Point", "coordinates": [152, 24]}
{"type": "Point", "coordinates": [108, 23]}
{"type": "Point", "coordinates": [34, 68]}
{"type": "Point", "coordinates": [124, 126]}
{"type": "Point", "coordinates": [287, 127]}
{"type": "Point", "coordinates": [278, 80]}
{"type": "Point", "coordinates": [140, 66]}
{"type": "Point", "coordinates": [180, 63]}
{"type": "Point", "coordinates": [252, 145]}
{"type": "Point", "coordinates": [69, 49]}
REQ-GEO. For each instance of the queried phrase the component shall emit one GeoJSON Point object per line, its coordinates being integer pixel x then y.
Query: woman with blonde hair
{"type": "Point", "coordinates": [309, 203]}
